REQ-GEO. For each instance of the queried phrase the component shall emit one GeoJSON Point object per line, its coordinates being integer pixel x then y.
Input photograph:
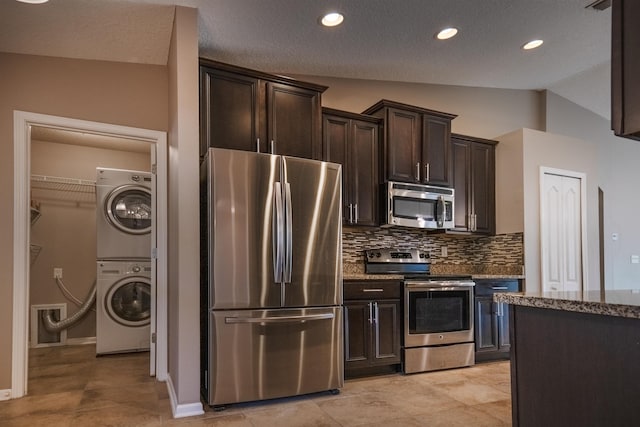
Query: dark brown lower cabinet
{"type": "Point", "coordinates": [372, 321]}
{"type": "Point", "coordinates": [492, 320]}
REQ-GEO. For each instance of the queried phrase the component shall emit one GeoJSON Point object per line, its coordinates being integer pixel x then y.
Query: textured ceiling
{"type": "Point", "coordinates": [380, 39]}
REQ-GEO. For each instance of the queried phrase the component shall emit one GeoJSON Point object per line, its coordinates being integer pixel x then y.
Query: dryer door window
{"type": "Point", "coordinates": [128, 302]}
{"type": "Point", "coordinates": [129, 209]}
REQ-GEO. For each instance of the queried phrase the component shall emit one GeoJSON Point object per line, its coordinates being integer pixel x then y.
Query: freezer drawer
{"type": "Point", "coordinates": [265, 354]}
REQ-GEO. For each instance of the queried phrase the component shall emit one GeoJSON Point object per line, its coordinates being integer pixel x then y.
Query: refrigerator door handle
{"type": "Point", "coordinates": [288, 234]}
{"type": "Point", "coordinates": [278, 232]}
{"type": "Point", "coordinates": [278, 319]}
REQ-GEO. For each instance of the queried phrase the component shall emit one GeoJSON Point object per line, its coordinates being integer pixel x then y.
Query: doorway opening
{"type": "Point", "coordinates": [25, 124]}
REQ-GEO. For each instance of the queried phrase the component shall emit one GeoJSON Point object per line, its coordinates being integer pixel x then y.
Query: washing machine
{"type": "Point", "coordinates": [123, 214]}
{"type": "Point", "coordinates": [123, 306]}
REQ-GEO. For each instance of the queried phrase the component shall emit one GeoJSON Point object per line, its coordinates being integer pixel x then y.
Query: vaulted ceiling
{"type": "Point", "coordinates": [379, 39]}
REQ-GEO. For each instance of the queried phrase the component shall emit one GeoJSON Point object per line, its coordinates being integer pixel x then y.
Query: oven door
{"type": "Point", "coordinates": [438, 313]}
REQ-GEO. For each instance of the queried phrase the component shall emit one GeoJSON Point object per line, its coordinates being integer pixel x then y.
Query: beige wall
{"type": "Point", "coordinates": [543, 149]}
{"type": "Point", "coordinates": [66, 230]}
{"type": "Point", "coordinates": [184, 229]}
{"type": "Point", "coordinates": [118, 93]}
{"type": "Point", "coordinates": [482, 112]}
{"type": "Point", "coordinates": [619, 178]}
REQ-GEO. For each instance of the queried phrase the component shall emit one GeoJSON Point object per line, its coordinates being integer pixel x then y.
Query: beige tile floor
{"type": "Point", "coordinates": [69, 386]}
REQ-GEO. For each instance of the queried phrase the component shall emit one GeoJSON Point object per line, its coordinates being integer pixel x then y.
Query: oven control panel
{"type": "Point", "coordinates": [412, 256]}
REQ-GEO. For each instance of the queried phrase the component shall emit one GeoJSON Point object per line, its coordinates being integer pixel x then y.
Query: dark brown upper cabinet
{"type": "Point", "coordinates": [416, 143]}
{"type": "Point", "coordinates": [250, 110]}
{"type": "Point", "coordinates": [473, 184]}
{"type": "Point", "coordinates": [352, 140]}
{"type": "Point", "coordinates": [625, 69]}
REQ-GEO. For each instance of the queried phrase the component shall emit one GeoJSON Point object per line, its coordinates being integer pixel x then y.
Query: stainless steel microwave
{"type": "Point", "coordinates": [416, 205]}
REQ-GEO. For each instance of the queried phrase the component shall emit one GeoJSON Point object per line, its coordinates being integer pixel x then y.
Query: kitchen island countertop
{"type": "Point", "coordinates": [620, 303]}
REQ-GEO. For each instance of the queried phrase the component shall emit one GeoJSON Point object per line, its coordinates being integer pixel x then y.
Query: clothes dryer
{"type": "Point", "coordinates": [123, 214]}
{"type": "Point", "coordinates": [123, 302]}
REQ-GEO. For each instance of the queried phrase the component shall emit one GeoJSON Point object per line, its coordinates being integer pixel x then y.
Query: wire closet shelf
{"type": "Point", "coordinates": [72, 189]}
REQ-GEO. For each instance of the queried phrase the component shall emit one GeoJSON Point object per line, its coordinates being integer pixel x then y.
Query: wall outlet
{"type": "Point", "coordinates": [57, 273]}
{"type": "Point", "coordinates": [635, 259]}
{"type": "Point", "coordinates": [444, 251]}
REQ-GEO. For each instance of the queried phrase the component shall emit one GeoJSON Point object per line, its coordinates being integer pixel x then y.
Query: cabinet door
{"type": "Point", "coordinates": [403, 145]}
{"type": "Point", "coordinates": [486, 326]}
{"type": "Point", "coordinates": [483, 187]}
{"type": "Point", "coordinates": [293, 121]}
{"type": "Point", "coordinates": [504, 343]}
{"type": "Point", "coordinates": [436, 142]}
{"type": "Point", "coordinates": [386, 332]}
{"type": "Point", "coordinates": [357, 335]}
{"type": "Point", "coordinates": [335, 136]}
{"type": "Point", "coordinates": [230, 112]}
{"type": "Point", "coordinates": [362, 172]}
{"type": "Point", "coordinates": [461, 155]}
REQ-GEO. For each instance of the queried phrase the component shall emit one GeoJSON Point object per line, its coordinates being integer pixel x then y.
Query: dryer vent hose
{"type": "Point", "coordinates": [52, 325]}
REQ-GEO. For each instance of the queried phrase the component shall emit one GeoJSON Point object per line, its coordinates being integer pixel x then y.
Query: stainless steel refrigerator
{"type": "Point", "coordinates": [271, 276]}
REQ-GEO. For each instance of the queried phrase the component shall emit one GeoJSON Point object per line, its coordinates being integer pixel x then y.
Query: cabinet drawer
{"type": "Point", "coordinates": [489, 287]}
{"type": "Point", "coordinates": [372, 289]}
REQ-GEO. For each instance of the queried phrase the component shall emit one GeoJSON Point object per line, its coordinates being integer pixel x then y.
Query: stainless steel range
{"type": "Point", "coordinates": [438, 311]}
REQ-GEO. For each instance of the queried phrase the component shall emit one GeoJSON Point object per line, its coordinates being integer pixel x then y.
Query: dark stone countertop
{"type": "Point", "coordinates": [621, 303]}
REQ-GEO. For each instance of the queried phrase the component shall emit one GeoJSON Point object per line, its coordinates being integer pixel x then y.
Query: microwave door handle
{"type": "Point", "coordinates": [441, 211]}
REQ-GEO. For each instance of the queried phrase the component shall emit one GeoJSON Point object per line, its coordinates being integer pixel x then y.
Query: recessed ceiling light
{"type": "Point", "coordinates": [33, 1]}
{"type": "Point", "coordinates": [532, 44]}
{"type": "Point", "coordinates": [447, 33]}
{"type": "Point", "coordinates": [332, 19]}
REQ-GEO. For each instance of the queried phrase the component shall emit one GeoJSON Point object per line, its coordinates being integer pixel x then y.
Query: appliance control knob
{"type": "Point", "coordinates": [421, 255]}
{"type": "Point", "coordinates": [136, 269]}
{"type": "Point", "coordinates": [371, 255]}
{"type": "Point", "coordinates": [378, 255]}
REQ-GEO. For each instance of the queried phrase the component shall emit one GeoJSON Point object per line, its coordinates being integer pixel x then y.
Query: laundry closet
{"type": "Point", "coordinates": [65, 265]}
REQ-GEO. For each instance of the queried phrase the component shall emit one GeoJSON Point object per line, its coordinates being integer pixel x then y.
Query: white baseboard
{"type": "Point", "coordinates": [5, 394]}
{"type": "Point", "coordinates": [81, 341]}
{"type": "Point", "coordinates": [184, 409]}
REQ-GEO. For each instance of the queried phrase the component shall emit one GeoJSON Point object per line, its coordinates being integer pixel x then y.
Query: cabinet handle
{"type": "Point", "coordinates": [356, 209]}
{"type": "Point", "coordinates": [500, 313]}
{"type": "Point", "coordinates": [418, 171]}
{"type": "Point", "coordinates": [375, 312]}
{"type": "Point", "coordinates": [427, 172]}
{"type": "Point", "coordinates": [273, 147]}
{"type": "Point", "coordinates": [350, 213]}
{"type": "Point", "coordinates": [373, 290]}
{"type": "Point", "coordinates": [257, 145]}
{"type": "Point", "coordinates": [500, 288]}
{"type": "Point", "coordinates": [370, 312]}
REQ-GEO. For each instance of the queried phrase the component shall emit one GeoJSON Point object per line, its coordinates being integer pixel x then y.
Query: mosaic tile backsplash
{"type": "Point", "coordinates": [504, 251]}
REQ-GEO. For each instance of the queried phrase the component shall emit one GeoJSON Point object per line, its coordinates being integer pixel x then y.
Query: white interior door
{"type": "Point", "coordinates": [154, 263]}
{"type": "Point", "coordinates": [561, 223]}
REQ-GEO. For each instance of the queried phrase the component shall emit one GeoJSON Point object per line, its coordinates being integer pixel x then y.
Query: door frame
{"type": "Point", "coordinates": [583, 221]}
{"type": "Point", "coordinates": [22, 122]}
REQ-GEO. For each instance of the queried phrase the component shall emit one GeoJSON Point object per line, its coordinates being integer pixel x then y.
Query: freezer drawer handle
{"type": "Point", "coordinates": [278, 319]}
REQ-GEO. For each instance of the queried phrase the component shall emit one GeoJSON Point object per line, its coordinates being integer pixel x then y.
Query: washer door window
{"type": "Point", "coordinates": [128, 301]}
{"type": "Point", "coordinates": [128, 208]}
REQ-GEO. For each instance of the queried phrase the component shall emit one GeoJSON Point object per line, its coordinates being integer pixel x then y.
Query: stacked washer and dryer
{"type": "Point", "coordinates": [123, 224]}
